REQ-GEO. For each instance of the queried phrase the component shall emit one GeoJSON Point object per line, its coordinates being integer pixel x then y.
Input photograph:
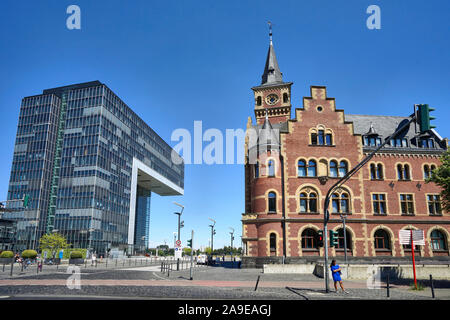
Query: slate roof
{"type": "Point", "coordinates": [382, 125]}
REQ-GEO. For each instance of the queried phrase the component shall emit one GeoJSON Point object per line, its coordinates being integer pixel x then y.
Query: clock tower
{"type": "Point", "coordinates": [273, 95]}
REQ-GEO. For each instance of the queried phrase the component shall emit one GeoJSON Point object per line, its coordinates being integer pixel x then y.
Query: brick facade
{"type": "Point", "coordinates": [288, 222]}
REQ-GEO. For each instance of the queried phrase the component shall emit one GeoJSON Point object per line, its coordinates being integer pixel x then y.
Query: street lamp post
{"type": "Point", "coordinates": [232, 238]}
{"type": "Point", "coordinates": [212, 235]}
{"type": "Point", "coordinates": [179, 227]}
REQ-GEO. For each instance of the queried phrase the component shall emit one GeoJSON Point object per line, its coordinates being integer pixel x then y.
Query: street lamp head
{"type": "Point", "coordinates": [214, 221]}
{"type": "Point", "coordinates": [181, 206]}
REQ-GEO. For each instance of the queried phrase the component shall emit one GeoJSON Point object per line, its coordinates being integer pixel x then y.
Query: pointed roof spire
{"type": "Point", "coordinates": [371, 130]}
{"type": "Point", "coordinates": [272, 73]}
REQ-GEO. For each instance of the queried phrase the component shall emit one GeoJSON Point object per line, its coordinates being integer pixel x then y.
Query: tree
{"type": "Point", "coordinates": [441, 176]}
{"type": "Point", "coordinates": [187, 251]}
{"type": "Point", "coordinates": [53, 243]}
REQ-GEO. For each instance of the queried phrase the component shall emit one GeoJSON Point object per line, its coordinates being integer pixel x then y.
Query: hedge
{"type": "Point", "coordinates": [7, 254]}
{"type": "Point", "coordinates": [29, 254]}
{"type": "Point", "coordinates": [76, 255]}
{"type": "Point", "coordinates": [66, 253]}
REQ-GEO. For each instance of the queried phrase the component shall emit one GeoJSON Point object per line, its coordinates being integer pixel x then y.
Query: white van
{"type": "Point", "coordinates": [202, 259]}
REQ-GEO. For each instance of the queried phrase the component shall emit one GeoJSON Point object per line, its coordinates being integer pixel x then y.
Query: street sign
{"type": "Point", "coordinates": [178, 252]}
{"type": "Point", "coordinates": [418, 236]}
{"type": "Point", "coordinates": [178, 243]}
{"type": "Point", "coordinates": [412, 238]}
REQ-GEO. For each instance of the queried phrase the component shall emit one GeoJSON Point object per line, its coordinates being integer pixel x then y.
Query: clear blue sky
{"type": "Point", "coordinates": [174, 62]}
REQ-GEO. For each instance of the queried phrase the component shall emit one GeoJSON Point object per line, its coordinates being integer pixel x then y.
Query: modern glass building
{"type": "Point", "coordinates": [89, 165]}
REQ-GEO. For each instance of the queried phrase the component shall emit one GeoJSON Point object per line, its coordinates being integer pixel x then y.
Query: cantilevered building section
{"type": "Point", "coordinates": [89, 165]}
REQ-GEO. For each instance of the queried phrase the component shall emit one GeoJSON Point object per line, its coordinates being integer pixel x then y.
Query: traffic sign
{"type": "Point", "coordinates": [178, 243]}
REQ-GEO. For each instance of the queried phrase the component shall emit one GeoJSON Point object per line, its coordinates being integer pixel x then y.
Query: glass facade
{"type": "Point", "coordinates": [73, 156]}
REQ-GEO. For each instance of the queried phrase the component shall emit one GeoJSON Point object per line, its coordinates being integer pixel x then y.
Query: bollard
{"type": "Point", "coordinates": [387, 287]}
{"type": "Point", "coordinates": [85, 263]}
{"type": "Point", "coordinates": [37, 268]}
{"type": "Point", "coordinates": [3, 267]}
{"type": "Point", "coordinates": [12, 266]}
{"type": "Point", "coordinates": [116, 262]}
{"type": "Point", "coordinates": [432, 286]}
{"type": "Point", "coordinates": [257, 281]}
{"type": "Point", "coordinates": [21, 270]}
{"type": "Point", "coordinates": [106, 263]}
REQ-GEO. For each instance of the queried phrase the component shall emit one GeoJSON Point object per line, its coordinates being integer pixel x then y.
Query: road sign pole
{"type": "Point", "coordinates": [192, 252]}
{"type": "Point", "coordinates": [414, 261]}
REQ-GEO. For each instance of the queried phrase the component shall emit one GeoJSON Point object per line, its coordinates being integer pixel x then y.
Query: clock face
{"type": "Point", "coordinates": [271, 99]}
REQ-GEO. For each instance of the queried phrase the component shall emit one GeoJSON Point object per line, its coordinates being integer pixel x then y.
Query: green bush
{"type": "Point", "coordinates": [76, 255]}
{"type": "Point", "coordinates": [7, 254]}
{"type": "Point", "coordinates": [29, 254]}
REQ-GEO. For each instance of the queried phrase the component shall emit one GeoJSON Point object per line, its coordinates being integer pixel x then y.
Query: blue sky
{"type": "Point", "coordinates": [174, 62]}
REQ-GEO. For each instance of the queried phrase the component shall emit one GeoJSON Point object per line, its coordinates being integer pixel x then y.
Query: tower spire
{"type": "Point", "coordinates": [270, 32]}
{"type": "Point", "coordinates": [272, 73]}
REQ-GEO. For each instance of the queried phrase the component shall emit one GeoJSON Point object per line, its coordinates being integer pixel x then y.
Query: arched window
{"type": "Point", "coordinates": [273, 244]}
{"type": "Point", "coordinates": [333, 169]}
{"type": "Point", "coordinates": [400, 172]}
{"type": "Point", "coordinates": [403, 172]}
{"type": "Point", "coordinates": [308, 202]}
{"type": "Point", "coordinates": [380, 171]}
{"type": "Point", "coordinates": [340, 244]}
{"type": "Point", "coordinates": [258, 100]}
{"type": "Point", "coordinates": [376, 171]}
{"type": "Point", "coordinates": [312, 168]}
{"type": "Point", "coordinates": [321, 137]}
{"type": "Point", "coordinates": [382, 240]}
{"type": "Point", "coordinates": [438, 240]}
{"type": "Point", "coordinates": [329, 139]}
{"type": "Point", "coordinates": [257, 170]}
{"type": "Point", "coordinates": [309, 239]}
{"type": "Point", "coordinates": [314, 138]}
{"type": "Point", "coordinates": [285, 98]}
{"type": "Point", "coordinates": [271, 168]}
{"type": "Point", "coordinates": [373, 172]}
{"type": "Point", "coordinates": [301, 168]}
{"type": "Point", "coordinates": [272, 202]}
{"type": "Point", "coordinates": [406, 174]}
{"type": "Point", "coordinates": [343, 168]}
{"type": "Point", "coordinates": [340, 203]}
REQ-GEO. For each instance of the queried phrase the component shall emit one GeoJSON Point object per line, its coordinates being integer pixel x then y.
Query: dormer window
{"type": "Point", "coordinates": [427, 143]}
{"type": "Point", "coordinates": [399, 143]}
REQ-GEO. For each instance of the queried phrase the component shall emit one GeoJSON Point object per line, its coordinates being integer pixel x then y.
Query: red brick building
{"type": "Point", "coordinates": [292, 162]}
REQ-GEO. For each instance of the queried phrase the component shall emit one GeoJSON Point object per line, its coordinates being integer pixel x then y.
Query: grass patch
{"type": "Point", "coordinates": [420, 286]}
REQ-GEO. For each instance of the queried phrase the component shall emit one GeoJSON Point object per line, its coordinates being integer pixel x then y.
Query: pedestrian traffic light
{"type": "Point", "coordinates": [320, 238]}
{"type": "Point", "coordinates": [189, 243]}
{"type": "Point", "coordinates": [424, 118]}
{"type": "Point", "coordinates": [26, 199]}
{"type": "Point", "coordinates": [333, 238]}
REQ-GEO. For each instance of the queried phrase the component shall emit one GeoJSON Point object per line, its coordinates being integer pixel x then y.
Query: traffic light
{"type": "Point", "coordinates": [189, 243]}
{"type": "Point", "coordinates": [333, 238]}
{"type": "Point", "coordinates": [320, 238]}
{"type": "Point", "coordinates": [26, 199]}
{"type": "Point", "coordinates": [424, 118]}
